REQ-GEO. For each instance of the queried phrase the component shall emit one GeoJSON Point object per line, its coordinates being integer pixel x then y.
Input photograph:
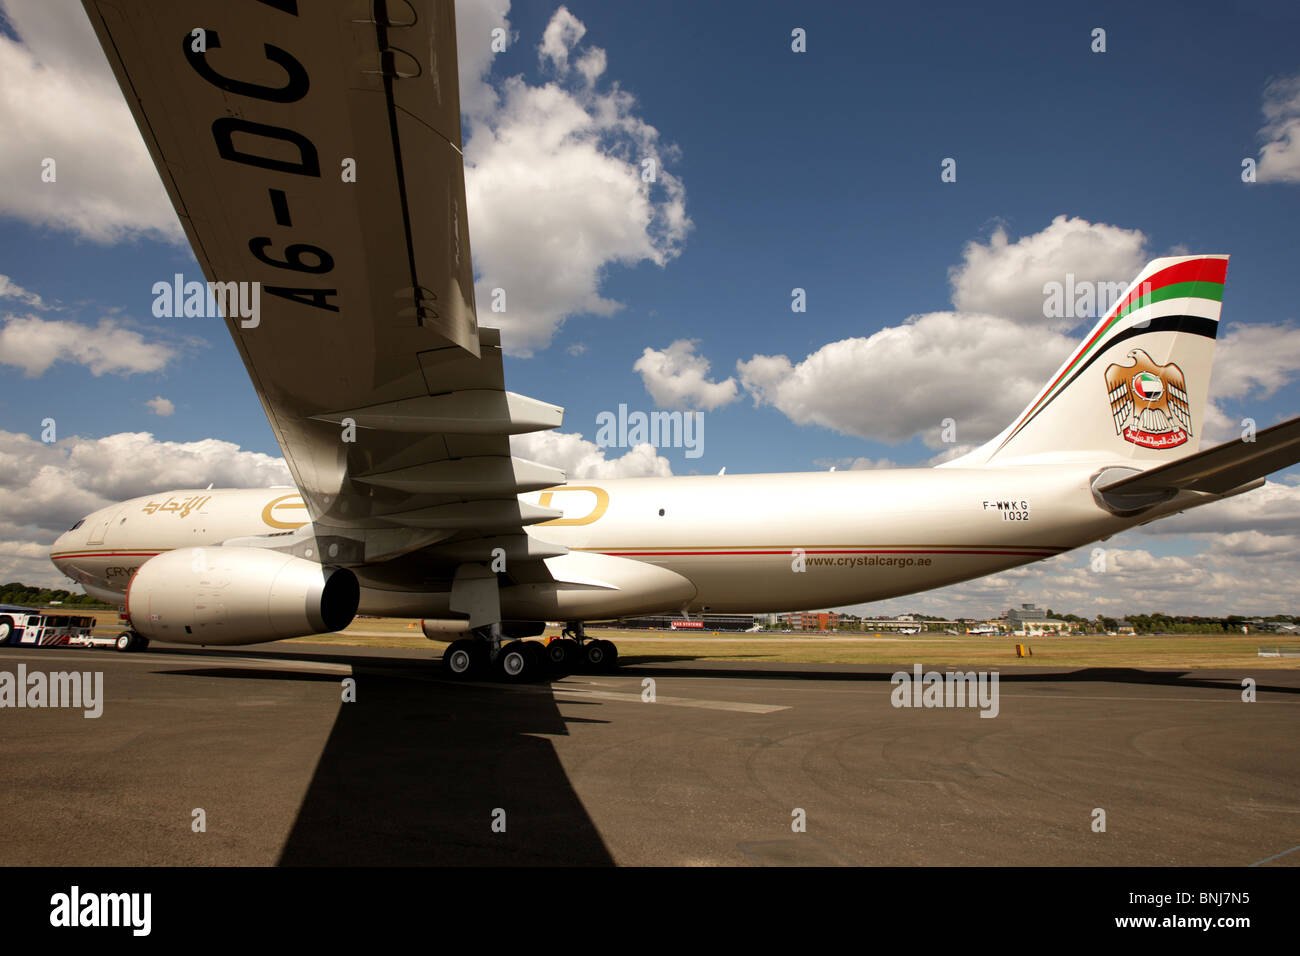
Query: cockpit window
{"type": "Point", "coordinates": [77, 525]}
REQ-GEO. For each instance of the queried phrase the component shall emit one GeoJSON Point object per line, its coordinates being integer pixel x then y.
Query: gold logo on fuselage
{"type": "Point", "coordinates": [602, 503]}
{"type": "Point", "coordinates": [271, 521]}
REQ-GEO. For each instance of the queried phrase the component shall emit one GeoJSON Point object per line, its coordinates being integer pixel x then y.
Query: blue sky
{"type": "Point", "coordinates": [818, 170]}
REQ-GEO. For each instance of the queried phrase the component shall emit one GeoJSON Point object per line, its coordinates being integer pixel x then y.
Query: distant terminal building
{"type": "Point", "coordinates": [1017, 618]}
{"type": "Point", "coordinates": [810, 620]}
{"type": "Point", "coordinates": [680, 622]}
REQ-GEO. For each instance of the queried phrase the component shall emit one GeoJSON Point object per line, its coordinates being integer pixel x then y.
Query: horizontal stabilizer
{"type": "Point", "coordinates": [1220, 469]}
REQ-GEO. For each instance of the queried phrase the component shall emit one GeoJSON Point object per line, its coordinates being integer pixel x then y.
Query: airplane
{"type": "Point", "coordinates": [388, 398]}
{"type": "Point", "coordinates": [982, 629]}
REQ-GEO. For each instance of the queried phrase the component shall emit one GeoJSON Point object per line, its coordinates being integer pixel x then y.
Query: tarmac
{"type": "Point", "coordinates": [730, 763]}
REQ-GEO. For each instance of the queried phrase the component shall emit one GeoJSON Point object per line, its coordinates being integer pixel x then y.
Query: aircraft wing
{"type": "Point", "coordinates": [315, 149]}
{"type": "Point", "coordinates": [1221, 469]}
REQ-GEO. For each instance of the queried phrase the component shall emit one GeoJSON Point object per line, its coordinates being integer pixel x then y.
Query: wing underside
{"type": "Point", "coordinates": [314, 149]}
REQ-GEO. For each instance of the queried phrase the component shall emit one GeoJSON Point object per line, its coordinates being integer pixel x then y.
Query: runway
{"type": "Point", "coordinates": [420, 770]}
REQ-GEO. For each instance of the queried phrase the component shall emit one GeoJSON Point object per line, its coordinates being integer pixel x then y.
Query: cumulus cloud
{"type": "Point", "coordinates": [580, 458]}
{"type": "Point", "coordinates": [1273, 509]}
{"type": "Point", "coordinates": [676, 377]}
{"type": "Point", "coordinates": [1279, 158]}
{"type": "Point", "coordinates": [59, 101]}
{"type": "Point", "coordinates": [479, 24]}
{"type": "Point", "coordinates": [978, 370]}
{"type": "Point", "coordinates": [1006, 278]}
{"type": "Point", "coordinates": [560, 37]}
{"type": "Point", "coordinates": [34, 344]}
{"type": "Point", "coordinates": [977, 365]}
{"type": "Point", "coordinates": [1244, 577]}
{"type": "Point", "coordinates": [980, 364]}
{"type": "Point", "coordinates": [1251, 363]}
{"type": "Point", "coordinates": [1254, 361]}
{"type": "Point", "coordinates": [46, 488]}
{"type": "Point", "coordinates": [555, 186]}
{"type": "Point", "coordinates": [161, 406]}
{"type": "Point", "coordinates": [554, 173]}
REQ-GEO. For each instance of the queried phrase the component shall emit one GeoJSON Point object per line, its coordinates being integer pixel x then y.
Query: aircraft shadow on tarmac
{"type": "Point", "coordinates": [413, 771]}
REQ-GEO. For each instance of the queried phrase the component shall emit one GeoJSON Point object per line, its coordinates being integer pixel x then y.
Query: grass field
{"type": "Point", "coordinates": [939, 650]}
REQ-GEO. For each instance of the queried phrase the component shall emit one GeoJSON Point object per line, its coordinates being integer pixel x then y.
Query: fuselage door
{"type": "Point", "coordinates": [101, 527]}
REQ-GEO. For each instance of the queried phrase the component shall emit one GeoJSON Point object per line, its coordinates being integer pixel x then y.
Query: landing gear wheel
{"type": "Point", "coordinates": [125, 641]}
{"type": "Point", "coordinates": [516, 663]}
{"type": "Point", "coordinates": [563, 653]}
{"type": "Point", "coordinates": [611, 655]}
{"type": "Point", "coordinates": [539, 658]}
{"type": "Point", "coordinates": [461, 657]}
{"type": "Point", "coordinates": [600, 655]}
{"type": "Point", "coordinates": [143, 644]}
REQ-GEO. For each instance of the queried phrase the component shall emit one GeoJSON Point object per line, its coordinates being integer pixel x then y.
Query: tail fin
{"type": "Point", "coordinates": [1136, 387]}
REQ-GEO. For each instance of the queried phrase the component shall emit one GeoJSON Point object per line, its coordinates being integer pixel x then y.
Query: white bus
{"type": "Point", "coordinates": [29, 626]}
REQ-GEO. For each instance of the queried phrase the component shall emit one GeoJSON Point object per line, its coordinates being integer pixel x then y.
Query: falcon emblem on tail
{"type": "Point", "coordinates": [1149, 402]}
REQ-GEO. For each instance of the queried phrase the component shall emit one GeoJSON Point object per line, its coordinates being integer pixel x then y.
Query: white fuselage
{"type": "Point", "coordinates": [748, 543]}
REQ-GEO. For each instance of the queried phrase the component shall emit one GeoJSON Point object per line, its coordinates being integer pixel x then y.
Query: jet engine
{"type": "Point", "coordinates": [238, 596]}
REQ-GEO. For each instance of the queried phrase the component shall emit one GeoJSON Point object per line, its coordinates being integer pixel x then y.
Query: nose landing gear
{"type": "Point", "coordinates": [131, 641]}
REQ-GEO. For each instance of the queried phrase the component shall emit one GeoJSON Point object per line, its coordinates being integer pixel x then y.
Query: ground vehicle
{"type": "Point", "coordinates": [31, 626]}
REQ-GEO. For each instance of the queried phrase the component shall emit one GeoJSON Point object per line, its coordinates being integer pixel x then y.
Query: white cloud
{"type": "Point", "coordinates": [554, 184]}
{"type": "Point", "coordinates": [553, 172]}
{"type": "Point", "coordinates": [476, 21]}
{"type": "Point", "coordinates": [34, 344]}
{"type": "Point", "coordinates": [978, 370]}
{"type": "Point", "coordinates": [161, 406]}
{"type": "Point", "coordinates": [12, 290]}
{"type": "Point", "coordinates": [1251, 362]}
{"type": "Point", "coordinates": [45, 489]}
{"type": "Point", "coordinates": [1254, 361]}
{"type": "Point", "coordinates": [978, 365]}
{"type": "Point", "coordinates": [1273, 509]}
{"type": "Point", "coordinates": [1006, 278]}
{"type": "Point", "coordinates": [560, 37]}
{"type": "Point", "coordinates": [580, 458]}
{"type": "Point", "coordinates": [676, 377]}
{"type": "Point", "coordinates": [58, 100]}
{"type": "Point", "coordinates": [1279, 158]}
{"type": "Point", "coordinates": [1213, 582]}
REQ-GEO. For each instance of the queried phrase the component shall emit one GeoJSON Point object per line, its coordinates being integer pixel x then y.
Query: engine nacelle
{"type": "Point", "coordinates": [238, 596]}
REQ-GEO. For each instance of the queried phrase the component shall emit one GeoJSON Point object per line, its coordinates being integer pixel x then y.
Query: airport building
{"type": "Point", "coordinates": [810, 620]}
{"type": "Point", "coordinates": [1017, 618]}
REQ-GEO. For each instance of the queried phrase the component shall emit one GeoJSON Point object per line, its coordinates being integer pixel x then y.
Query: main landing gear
{"type": "Point", "coordinates": [484, 656]}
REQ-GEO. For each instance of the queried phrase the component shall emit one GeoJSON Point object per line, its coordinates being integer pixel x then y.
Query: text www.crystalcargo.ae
{"type": "Point", "coordinates": [872, 561]}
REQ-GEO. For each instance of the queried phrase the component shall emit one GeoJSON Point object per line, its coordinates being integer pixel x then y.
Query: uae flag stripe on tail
{"type": "Point", "coordinates": [1198, 278]}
